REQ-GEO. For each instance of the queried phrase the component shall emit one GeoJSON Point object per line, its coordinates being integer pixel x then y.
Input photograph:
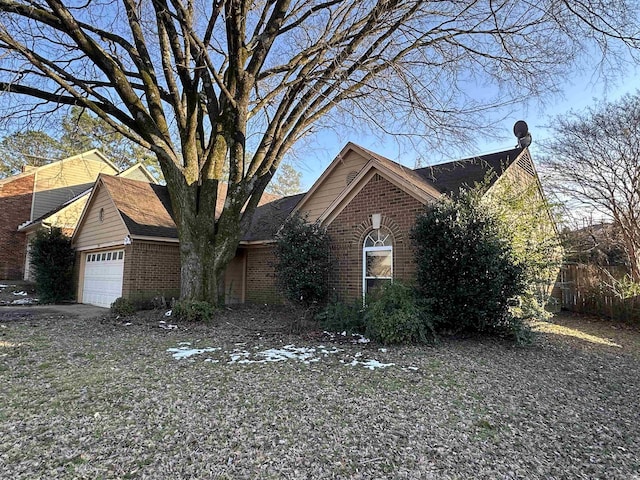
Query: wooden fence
{"type": "Point", "coordinates": [590, 289]}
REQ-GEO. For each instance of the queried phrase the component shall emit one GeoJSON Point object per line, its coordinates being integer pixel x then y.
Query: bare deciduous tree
{"type": "Point", "coordinates": [594, 163]}
{"type": "Point", "coordinates": [202, 84]}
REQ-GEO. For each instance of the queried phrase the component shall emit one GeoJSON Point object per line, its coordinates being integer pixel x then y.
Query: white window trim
{"type": "Point", "coordinates": [365, 250]}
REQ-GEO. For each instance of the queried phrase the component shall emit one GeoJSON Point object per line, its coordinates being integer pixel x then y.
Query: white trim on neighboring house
{"type": "Point", "coordinates": [33, 195]}
{"type": "Point", "coordinates": [31, 224]}
{"type": "Point", "coordinates": [140, 166]}
{"type": "Point", "coordinates": [83, 156]}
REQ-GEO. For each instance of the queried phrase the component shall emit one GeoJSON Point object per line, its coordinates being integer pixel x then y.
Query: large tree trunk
{"type": "Point", "coordinates": [207, 244]}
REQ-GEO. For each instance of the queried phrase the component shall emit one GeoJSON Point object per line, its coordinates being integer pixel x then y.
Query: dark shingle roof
{"type": "Point", "coordinates": [268, 218]}
{"type": "Point", "coordinates": [450, 177]}
{"type": "Point", "coordinates": [146, 209]}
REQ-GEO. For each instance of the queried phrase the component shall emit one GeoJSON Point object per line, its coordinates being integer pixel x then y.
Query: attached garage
{"type": "Point", "coordinates": [127, 245]}
{"type": "Point", "coordinates": [103, 277]}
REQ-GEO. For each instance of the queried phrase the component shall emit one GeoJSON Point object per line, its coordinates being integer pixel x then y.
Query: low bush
{"type": "Point", "coordinates": [343, 317]}
{"type": "Point", "coordinates": [395, 315]}
{"type": "Point", "coordinates": [193, 311]}
{"type": "Point", "coordinates": [123, 307]}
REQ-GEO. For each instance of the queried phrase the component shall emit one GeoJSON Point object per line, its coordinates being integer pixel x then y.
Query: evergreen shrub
{"type": "Point", "coordinates": [52, 261]}
{"type": "Point", "coordinates": [394, 315]}
{"type": "Point", "coordinates": [123, 307]}
{"type": "Point", "coordinates": [302, 262]}
{"type": "Point", "coordinates": [193, 311]}
{"type": "Point", "coordinates": [465, 270]}
{"type": "Point", "coordinates": [343, 317]}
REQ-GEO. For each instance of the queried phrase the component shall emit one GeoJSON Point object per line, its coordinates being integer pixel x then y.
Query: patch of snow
{"type": "Point", "coordinates": [239, 356]}
{"type": "Point", "coordinates": [127, 324]}
{"type": "Point", "coordinates": [383, 350]}
{"type": "Point", "coordinates": [21, 293]}
{"type": "Point", "coordinates": [186, 352]}
{"type": "Point", "coordinates": [357, 338]}
{"type": "Point", "coordinates": [168, 313]}
{"type": "Point", "coordinates": [305, 355]}
{"type": "Point", "coordinates": [371, 364]}
{"type": "Point", "coordinates": [24, 301]}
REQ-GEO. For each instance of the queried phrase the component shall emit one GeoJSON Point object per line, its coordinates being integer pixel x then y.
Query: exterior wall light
{"type": "Point", "coordinates": [376, 220]}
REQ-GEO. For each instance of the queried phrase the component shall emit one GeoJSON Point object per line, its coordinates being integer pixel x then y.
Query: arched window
{"type": "Point", "coordinates": [377, 260]}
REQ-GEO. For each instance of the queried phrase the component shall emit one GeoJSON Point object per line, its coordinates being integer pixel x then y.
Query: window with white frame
{"type": "Point", "coordinates": [377, 260]}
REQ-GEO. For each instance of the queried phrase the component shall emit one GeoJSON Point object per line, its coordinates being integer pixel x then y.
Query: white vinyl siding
{"type": "Point", "coordinates": [95, 232]}
{"type": "Point", "coordinates": [333, 185]}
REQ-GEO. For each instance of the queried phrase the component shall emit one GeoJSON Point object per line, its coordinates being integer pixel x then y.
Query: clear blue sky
{"type": "Point", "coordinates": [577, 94]}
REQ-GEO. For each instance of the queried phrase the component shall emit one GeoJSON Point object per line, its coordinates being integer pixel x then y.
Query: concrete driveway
{"type": "Point", "coordinates": [74, 309]}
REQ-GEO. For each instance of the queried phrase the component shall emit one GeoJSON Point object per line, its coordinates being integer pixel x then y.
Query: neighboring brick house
{"type": "Point", "coordinates": [128, 245]}
{"type": "Point", "coordinates": [34, 192]}
{"type": "Point", "coordinates": [66, 216]}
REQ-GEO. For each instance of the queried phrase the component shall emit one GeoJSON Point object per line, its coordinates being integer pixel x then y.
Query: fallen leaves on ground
{"type": "Point", "coordinates": [104, 398]}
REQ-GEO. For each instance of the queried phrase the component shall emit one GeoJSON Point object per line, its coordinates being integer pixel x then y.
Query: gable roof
{"type": "Point", "coordinates": [30, 225]}
{"type": "Point", "coordinates": [450, 177]}
{"type": "Point", "coordinates": [145, 208]}
{"type": "Point", "coordinates": [140, 168]}
{"type": "Point", "coordinates": [402, 174]}
{"type": "Point", "coordinates": [90, 154]}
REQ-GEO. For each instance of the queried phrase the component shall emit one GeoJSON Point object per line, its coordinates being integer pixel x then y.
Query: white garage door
{"type": "Point", "coordinates": [103, 277]}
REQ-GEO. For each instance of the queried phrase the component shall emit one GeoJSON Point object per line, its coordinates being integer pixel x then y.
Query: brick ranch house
{"type": "Point", "coordinates": [49, 195]}
{"type": "Point", "coordinates": [127, 242]}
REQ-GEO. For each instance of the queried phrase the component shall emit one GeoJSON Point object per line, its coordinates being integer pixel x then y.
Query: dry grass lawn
{"type": "Point", "coordinates": [107, 398]}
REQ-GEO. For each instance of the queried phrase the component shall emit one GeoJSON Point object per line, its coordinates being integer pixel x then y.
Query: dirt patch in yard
{"type": "Point", "coordinates": [243, 397]}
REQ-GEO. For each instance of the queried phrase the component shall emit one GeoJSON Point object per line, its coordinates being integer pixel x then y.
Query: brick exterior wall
{"type": "Point", "coordinates": [151, 269]}
{"type": "Point", "coordinates": [349, 229]}
{"type": "Point", "coordinates": [15, 209]}
{"type": "Point", "coordinates": [261, 279]}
